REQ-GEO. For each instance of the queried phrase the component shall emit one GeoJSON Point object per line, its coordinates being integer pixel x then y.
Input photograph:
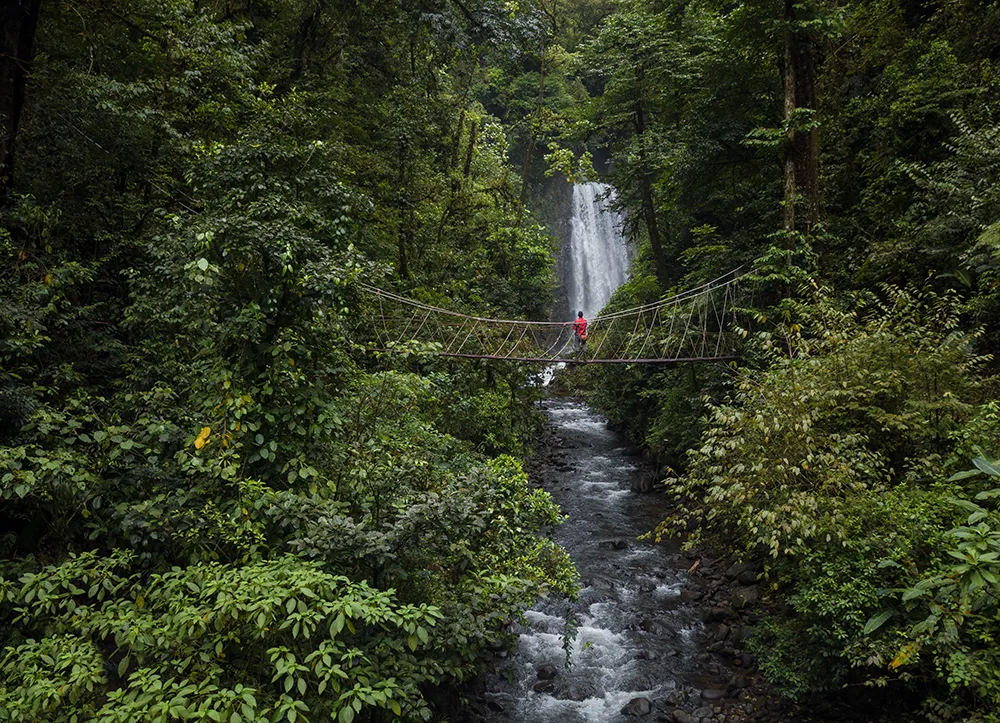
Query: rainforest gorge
{"type": "Point", "coordinates": [219, 500]}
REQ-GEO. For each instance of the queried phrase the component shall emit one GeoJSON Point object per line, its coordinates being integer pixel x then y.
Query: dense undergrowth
{"type": "Point", "coordinates": [835, 453]}
{"type": "Point", "coordinates": [218, 503]}
{"type": "Point", "coordinates": [215, 502]}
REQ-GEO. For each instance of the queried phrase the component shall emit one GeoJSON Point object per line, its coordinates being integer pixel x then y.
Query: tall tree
{"type": "Point", "coordinates": [18, 22]}
{"type": "Point", "coordinates": [801, 177]}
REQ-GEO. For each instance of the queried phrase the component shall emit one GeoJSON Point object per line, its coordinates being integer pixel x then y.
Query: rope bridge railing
{"type": "Point", "coordinates": [696, 325]}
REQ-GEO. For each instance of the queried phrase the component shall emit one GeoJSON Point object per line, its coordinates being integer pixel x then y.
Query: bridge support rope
{"type": "Point", "coordinates": [706, 315]}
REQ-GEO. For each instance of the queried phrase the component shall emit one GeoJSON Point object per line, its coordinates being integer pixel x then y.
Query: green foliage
{"type": "Point", "coordinates": [216, 504]}
{"type": "Point", "coordinates": [829, 459]}
{"type": "Point", "coordinates": [947, 615]}
{"type": "Point", "coordinates": [830, 448]}
{"type": "Point", "coordinates": [190, 643]}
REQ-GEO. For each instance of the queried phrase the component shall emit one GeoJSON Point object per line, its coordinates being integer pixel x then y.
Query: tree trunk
{"type": "Point", "coordinates": [807, 156]}
{"type": "Point", "coordinates": [646, 194]}
{"type": "Point", "coordinates": [456, 140]}
{"type": "Point", "coordinates": [18, 22]}
{"type": "Point", "coordinates": [801, 148]}
{"type": "Point", "coordinates": [529, 149]}
{"type": "Point", "coordinates": [467, 171]}
{"type": "Point", "coordinates": [404, 231]}
{"type": "Point", "coordinates": [305, 32]}
{"type": "Point", "coordinates": [790, 136]}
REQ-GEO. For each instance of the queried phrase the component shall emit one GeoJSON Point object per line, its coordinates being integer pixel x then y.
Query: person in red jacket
{"type": "Point", "coordinates": [580, 335]}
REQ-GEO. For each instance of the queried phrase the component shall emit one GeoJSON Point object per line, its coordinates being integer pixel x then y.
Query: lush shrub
{"type": "Point", "coordinates": [831, 460]}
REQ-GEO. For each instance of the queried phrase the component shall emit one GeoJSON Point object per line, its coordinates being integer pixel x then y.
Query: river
{"type": "Point", "coordinates": [641, 641]}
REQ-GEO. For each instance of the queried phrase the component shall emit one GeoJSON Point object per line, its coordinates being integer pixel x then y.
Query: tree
{"type": "Point", "coordinates": [18, 23]}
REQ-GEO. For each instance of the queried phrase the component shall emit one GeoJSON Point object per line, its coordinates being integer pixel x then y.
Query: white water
{"type": "Point", "coordinates": [598, 255]}
{"type": "Point", "coordinates": [630, 639]}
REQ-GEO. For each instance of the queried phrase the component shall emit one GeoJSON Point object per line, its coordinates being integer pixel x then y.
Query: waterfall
{"type": "Point", "coordinates": [598, 257]}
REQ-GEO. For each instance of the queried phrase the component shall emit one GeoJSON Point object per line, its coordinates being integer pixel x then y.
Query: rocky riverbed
{"type": "Point", "coordinates": [660, 633]}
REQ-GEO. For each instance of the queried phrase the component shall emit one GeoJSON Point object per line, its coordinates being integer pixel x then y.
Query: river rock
{"type": "Point", "coordinates": [745, 597]}
{"type": "Point", "coordinates": [691, 595]}
{"type": "Point", "coordinates": [617, 544]}
{"type": "Point", "coordinates": [743, 573]}
{"type": "Point", "coordinates": [547, 671]}
{"type": "Point", "coordinates": [643, 483]}
{"type": "Point", "coordinates": [651, 626]}
{"type": "Point", "coordinates": [638, 706]}
{"type": "Point", "coordinates": [713, 694]}
{"type": "Point", "coordinates": [600, 583]}
{"type": "Point", "coordinates": [577, 693]}
{"type": "Point", "coordinates": [740, 633]}
{"type": "Point", "coordinates": [545, 686]}
{"type": "Point", "coordinates": [703, 713]}
{"type": "Point", "coordinates": [675, 697]}
{"type": "Point", "coordinates": [740, 681]}
{"type": "Point", "coordinates": [719, 615]}
{"type": "Point", "coordinates": [682, 717]}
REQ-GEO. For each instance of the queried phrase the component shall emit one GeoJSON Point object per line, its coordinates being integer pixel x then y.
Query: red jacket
{"type": "Point", "coordinates": [580, 326]}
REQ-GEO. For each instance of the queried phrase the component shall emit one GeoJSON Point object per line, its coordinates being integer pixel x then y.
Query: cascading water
{"type": "Point", "coordinates": [637, 648]}
{"type": "Point", "coordinates": [598, 257]}
{"type": "Point", "coordinates": [633, 639]}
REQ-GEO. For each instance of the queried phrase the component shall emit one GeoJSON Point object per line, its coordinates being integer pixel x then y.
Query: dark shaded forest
{"type": "Point", "coordinates": [218, 502]}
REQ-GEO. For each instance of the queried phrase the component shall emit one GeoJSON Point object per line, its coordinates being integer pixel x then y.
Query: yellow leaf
{"type": "Point", "coordinates": [199, 443]}
{"type": "Point", "coordinates": [48, 279]}
{"type": "Point", "coordinates": [140, 601]}
{"type": "Point", "coordinates": [205, 431]}
{"type": "Point", "coordinates": [903, 656]}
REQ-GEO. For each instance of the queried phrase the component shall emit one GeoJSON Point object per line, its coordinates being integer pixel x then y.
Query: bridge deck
{"type": "Point", "coordinates": [571, 360]}
{"type": "Point", "coordinates": [696, 325]}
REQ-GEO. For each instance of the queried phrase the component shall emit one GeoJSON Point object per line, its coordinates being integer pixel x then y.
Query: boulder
{"type": "Point", "coordinates": [643, 483]}
{"type": "Point", "coordinates": [737, 569]}
{"type": "Point", "coordinates": [682, 717]}
{"type": "Point", "coordinates": [638, 706]}
{"type": "Point", "coordinates": [740, 681]}
{"type": "Point", "coordinates": [743, 597]}
{"type": "Point", "coordinates": [547, 671]}
{"type": "Point", "coordinates": [618, 544]}
{"type": "Point", "coordinates": [719, 615]}
{"type": "Point", "coordinates": [651, 626]}
{"type": "Point", "coordinates": [545, 686]}
{"type": "Point", "coordinates": [691, 595]}
{"type": "Point", "coordinates": [675, 697]}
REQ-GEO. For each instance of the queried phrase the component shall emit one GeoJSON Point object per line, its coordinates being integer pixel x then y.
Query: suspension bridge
{"type": "Point", "coordinates": [699, 324]}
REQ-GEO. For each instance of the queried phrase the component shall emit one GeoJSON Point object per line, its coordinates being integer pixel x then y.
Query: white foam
{"type": "Point", "coordinates": [589, 710]}
{"type": "Point", "coordinates": [667, 591]}
{"type": "Point", "coordinates": [585, 425]}
{"type": "Point", "coordinates": [548, 623]}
